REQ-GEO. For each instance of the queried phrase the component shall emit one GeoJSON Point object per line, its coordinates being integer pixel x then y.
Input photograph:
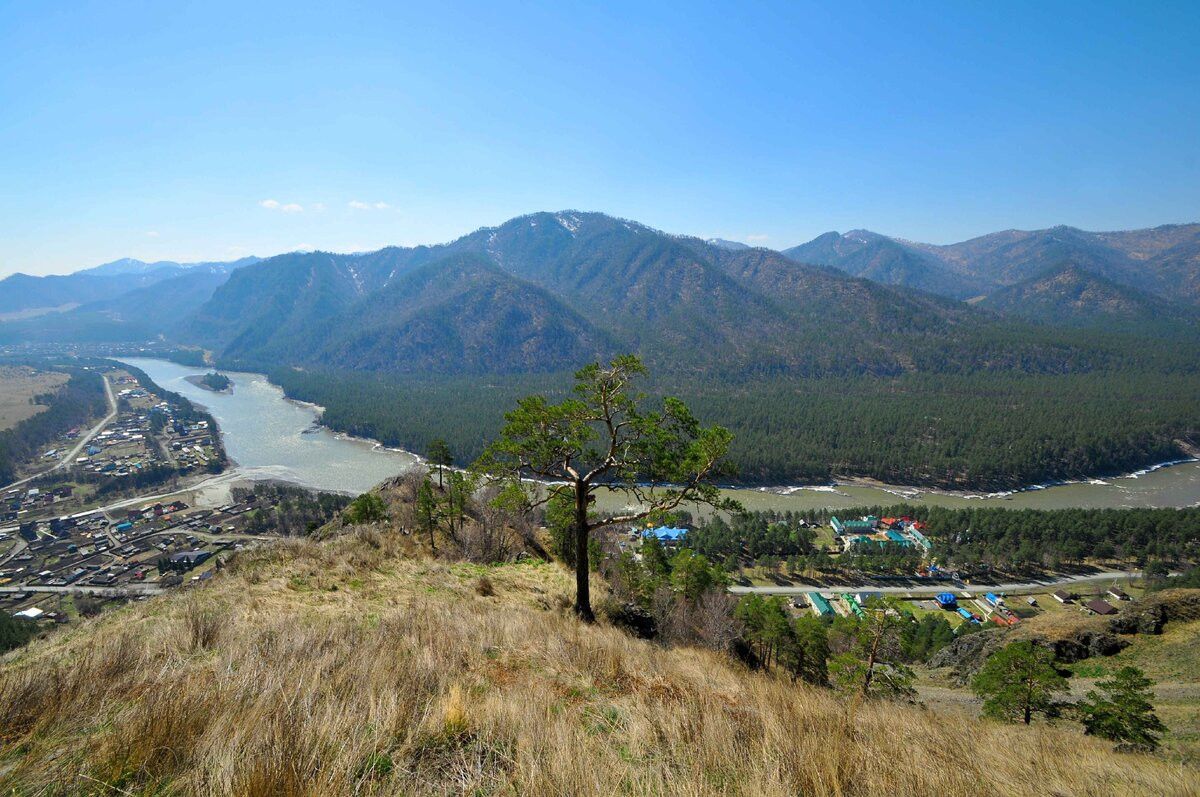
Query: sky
{"type": "Point", "coordinates": [210, 131]}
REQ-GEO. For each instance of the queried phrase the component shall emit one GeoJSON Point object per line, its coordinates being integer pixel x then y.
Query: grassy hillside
{"type": "Point", "coordinates": [1169, 658]}
{"type": "Point", "coordinates": [354, 666]}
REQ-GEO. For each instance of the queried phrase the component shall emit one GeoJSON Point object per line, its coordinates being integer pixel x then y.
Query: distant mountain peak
{"type": "Point", "coordinates": [722, 243]}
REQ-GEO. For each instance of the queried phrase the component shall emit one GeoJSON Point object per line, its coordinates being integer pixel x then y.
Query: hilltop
{"type": "Point", "coordinates": [354, 664]}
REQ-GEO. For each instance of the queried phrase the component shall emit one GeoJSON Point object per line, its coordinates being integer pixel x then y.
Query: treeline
{"type": "Point", "coordinates": [753, 536]}
{"type": "Point", "coordinates": [134, 481]}
{"type": "Point", "coordinates": [1048, 537]}
{"type": "Point", "coordinates": [81, 399]}
{"type": "Point", "coordinates": [193, 357]}
{"type": "Point", "coordinates": [287, 510]}
{"type": "Point", "coordinates": [974, 431]}
{"type": "Point", "coordinates": [215, 381]}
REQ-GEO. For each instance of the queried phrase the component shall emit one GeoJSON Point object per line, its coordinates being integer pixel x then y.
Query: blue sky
{"type": "Point", "coordinates": [211, 131]}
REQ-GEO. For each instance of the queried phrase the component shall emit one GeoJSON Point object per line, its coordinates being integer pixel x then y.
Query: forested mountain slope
{"type": "Point", "coordinates": [135, 315]}
{"type": "Point", "coordinates": [110, 280]}
{"type": "Point", "coordinates": [24, 292]}
{"type": "Point", "coordinates": [685, 305]}
{"type": "Point", "coordinates": [889, 261]}
{"type": "Point", "coordinates": [1069, 295]}
{"type": "Point", "coordinates": [462, 314]}
{"type": "Point", "coordinates": [1163, 260]}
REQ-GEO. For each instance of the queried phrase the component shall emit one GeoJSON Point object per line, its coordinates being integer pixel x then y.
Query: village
{"type": "Point", "coordinates": [132, 553]}
{"type": "Point", "coordinates": [145, 434]}
{"type": "Point", "coordinates": [978, 599]}
{"type": "Point", "coordinates": [58, 542]}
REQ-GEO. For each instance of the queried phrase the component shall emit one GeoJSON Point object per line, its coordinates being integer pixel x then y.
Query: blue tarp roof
{"type": "Point", "coordinates": [667, 532]}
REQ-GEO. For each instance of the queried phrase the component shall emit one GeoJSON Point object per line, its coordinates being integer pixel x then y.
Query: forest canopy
{"type": "Point", "coordinates": [981, 430]}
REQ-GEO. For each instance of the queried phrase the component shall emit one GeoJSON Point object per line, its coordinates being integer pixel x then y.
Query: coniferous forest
{"type": "Point", "coordinates": [1046, 537]}
{"type": "Point", "coordinates": [981, 430]}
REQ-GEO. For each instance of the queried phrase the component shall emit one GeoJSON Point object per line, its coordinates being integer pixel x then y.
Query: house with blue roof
{"type": "Point", "coordinates": [666, 533]}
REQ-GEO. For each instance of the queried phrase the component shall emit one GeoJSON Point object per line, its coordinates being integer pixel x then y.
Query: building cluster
{"type": "Point", "coordinates": [880, 532]}
{"type": "Point", "coordinates": [146, 436]}
{"type": "Point", "coordinates": [1097, 605]}
{"type": "Point", "coordinates": [126, 553]}
{"type": "Point", "coordinates": [836, 603]}
{"type": "Point", "coordinates": [21, 502]}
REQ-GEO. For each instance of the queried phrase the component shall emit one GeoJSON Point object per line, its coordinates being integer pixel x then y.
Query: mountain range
{"type": "Point", "coordinates": [1164, 261]}
{"type": "Point", "coordinates": [29, 296]}
{"type": "Point", "coordinates": [548, 290]}
{"type": "Point", "coordinates": [540, 289]}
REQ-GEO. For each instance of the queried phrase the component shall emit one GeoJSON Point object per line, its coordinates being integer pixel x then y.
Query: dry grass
{"type": "Point", "coordinates": [18, 385]}
{"type": "Point", "coordinates": [344, 667]}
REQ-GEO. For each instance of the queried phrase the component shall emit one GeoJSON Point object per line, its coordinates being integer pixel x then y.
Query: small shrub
{"type": "Point", "coordinates": [367, 508]}
{"type": "Point", "coordinates": [88, 605]}
{"type": "Point", "coordinates": [485, 587]}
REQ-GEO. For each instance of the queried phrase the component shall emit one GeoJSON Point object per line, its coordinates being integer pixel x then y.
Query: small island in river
{"type": "Point", "coordinates": [217, 383]}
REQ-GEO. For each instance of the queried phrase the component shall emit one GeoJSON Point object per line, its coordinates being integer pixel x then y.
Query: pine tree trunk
{"type": "Point", "coordinates": [583, 599]}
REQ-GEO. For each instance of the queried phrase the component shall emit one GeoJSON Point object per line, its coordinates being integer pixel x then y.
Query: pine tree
{"type": "Point", "coordinates": [1121, 711]}
{"type": "Point", "coordinates": [1018, 681]}
{"type": "Point", "coordinates": [602, 437]}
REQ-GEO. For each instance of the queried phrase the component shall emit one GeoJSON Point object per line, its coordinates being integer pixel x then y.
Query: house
{"type": "Point", "coordinates": [31, 613]}
{"type": "Point", "coordinates": [1062, 597]}
{"type": "Point", "coordinates": [820, 605]}
{"type": "Point", "coordinates": [921, 539]}
{"type": "Point", "coordinates": [186, 560]}
{"type": "Point", "coordinates": [850, 527]}
{"type": "Point", "coordinates": [1116, 593]}
{"type": "Point", "coordinates": [858, 539]}
{"type": "Point", "coordinates": [946, 600]}
{"type": "Point", "coordinates": [667, 534]}
{"type": "Point", "coordinates": [1100, 607]}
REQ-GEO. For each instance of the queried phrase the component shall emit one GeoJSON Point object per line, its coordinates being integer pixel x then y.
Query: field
{"type": "Point", "coordinates": [18, 386]}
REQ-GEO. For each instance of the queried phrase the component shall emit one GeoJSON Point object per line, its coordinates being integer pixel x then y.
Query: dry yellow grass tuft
{"type": "Point", "coordinates": [349, 667]}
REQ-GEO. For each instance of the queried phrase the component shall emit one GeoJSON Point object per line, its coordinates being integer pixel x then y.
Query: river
{"type": "Point", "coordinates": [269, 436]}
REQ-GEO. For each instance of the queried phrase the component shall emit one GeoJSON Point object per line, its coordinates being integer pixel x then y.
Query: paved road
{"type": "Point", "coordinates": [83, 441]}
{"type": "Point", "coordinates": [125, 590]}
{"type": "Point", "coordinates": [920, 590]}
{"type": "Point", "coordinates": [16, 549]}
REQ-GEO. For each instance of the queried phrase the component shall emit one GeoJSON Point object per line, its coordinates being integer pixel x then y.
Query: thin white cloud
{"type": "Point", "coordinates": [275, 204]}
{"type": "Point", "coordinates": [355, 204]}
